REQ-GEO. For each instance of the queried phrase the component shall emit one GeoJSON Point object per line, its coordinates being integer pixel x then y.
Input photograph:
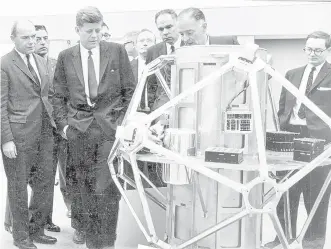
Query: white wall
{"type": "Point", "coordinates": [270, 19]}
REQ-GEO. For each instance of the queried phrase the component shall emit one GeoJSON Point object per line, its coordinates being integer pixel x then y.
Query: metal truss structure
{"type": "Point", "coordinates": [133, 135]}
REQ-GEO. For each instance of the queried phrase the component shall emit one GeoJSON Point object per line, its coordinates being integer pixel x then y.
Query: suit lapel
{"type": "Point", "coordinates": [134, 66]}
{"type": "Point", "coordinates": [78, 63]}
{"type": "Point", "coordinates": [297, 78]}
{"type": "Point", "coordinates": [106, 56]}
{"type": "Point", "coordinates": [41, 71]}
{"type": "Point", "coordinates": [104, 59]}
{"type": "Point", "coordinates": [325, 70]}
{"type": "Point", "coordinates": [22, 66]}
{"type": "Point", "coordinates": [163, 50]}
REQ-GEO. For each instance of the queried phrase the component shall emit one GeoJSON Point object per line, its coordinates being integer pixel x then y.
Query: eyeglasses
{"type": "Point", "coordinates": [129, 42]}
{"type": "Point", "coordinates": [106, 35]}
{"type": "Point", "coordinates": [316, 51]}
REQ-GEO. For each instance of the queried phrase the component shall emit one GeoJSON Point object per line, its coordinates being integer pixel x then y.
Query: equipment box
{"type": "Point", "coordinates": [305, 156]}
{"type": "Point", "coordinates": [224, 155]}
{"type": "Point", "coordinates": [309, 144]}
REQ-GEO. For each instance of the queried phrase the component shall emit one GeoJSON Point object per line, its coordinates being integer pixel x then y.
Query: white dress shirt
{"type": "Point", "coordinates": [32, 62]}
{"type": "Point", "coordinates": [207, 41]}
{"type": "Point", "coordinates": [176, 45]}
{"type": "Point", "coordinates": [96, 59]}
{"type": "Point", "coordinates": [295, 120]}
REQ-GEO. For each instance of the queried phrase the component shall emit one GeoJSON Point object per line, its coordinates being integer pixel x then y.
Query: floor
{"type": "Point", "coordinates": [129, 236]}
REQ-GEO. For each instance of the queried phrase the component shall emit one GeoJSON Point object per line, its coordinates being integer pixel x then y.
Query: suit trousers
{"type": "Point", "coordinates": [310, 187]}
{"type": "Point", "coordinates": [31, 166]}
{"type": "Point", "coordinates": [88, 154]}
{"type": "Point", "coordinates": [59, 158]}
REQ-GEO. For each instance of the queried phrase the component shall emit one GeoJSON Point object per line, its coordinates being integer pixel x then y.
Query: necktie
{"type": "Point", "coordinates": [92, 79]}
{"type": "Point", "coordinates": [302, 113]}
{"type": "Point", "coordinates": [172, 48]}
{"type": "Point", "coordinates": [32, 71]}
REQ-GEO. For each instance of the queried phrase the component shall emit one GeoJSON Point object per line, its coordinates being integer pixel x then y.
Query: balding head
{"type": "Point", "coordinates": [24, 24]}
{"type": "Point", "coordinates": [23, 34]}
{"type": "Point", "coordinates": [192, 26]}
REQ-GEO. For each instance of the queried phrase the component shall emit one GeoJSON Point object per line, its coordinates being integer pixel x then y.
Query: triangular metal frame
{"type": "Point", "coordinates": [138, 126]}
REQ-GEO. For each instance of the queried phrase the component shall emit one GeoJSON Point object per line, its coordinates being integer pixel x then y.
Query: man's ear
{"type": "Point", "coordinates": [77, 29]}
{"type": "Point", "coordinates": [204, 25]}
{"type": "Point", "coordinates": [12, 38]}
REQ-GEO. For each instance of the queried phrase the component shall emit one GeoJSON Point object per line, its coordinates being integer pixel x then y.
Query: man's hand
{"type": "Point", "coordinates": [64, 132]}
{"type": "Point", "coordinates": [157, 132]}
{"type": "Point", "coordinates": [9, 149]}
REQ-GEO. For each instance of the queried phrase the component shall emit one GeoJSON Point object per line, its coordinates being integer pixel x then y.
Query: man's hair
{"type": "Point", "coordinates": [321, 35]}
{"type": "Point", "coordinates": [145, 30]}
{"type": "Point", "coordinates": [14, 28]}
{"type": "Point", "coordinates": [105, 25]}
{"type": "Point", "coordinates": [196, 13]}
{"type": "Point", "coordinates": [40, 27]}
{"type": "Point", "coordinates": [88, 15]}
{"type": "Point", "coordinates": [166, 11]}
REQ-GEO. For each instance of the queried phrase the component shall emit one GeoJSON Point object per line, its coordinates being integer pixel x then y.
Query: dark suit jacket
{"type": "Point", "coordinates": [114, 92]}
{"type": "Point", "coordinates": [134, 67]}
{"type": "Point", "coordinates": [51, 64]}
{"type": "Point", "coordinates": [23, 99]}
{"type": "Point", "coordinates": [161, 48]}
{"type": "Point", "coordinates": [319, 93]}
{"type": "Point", "coordinates": [156, 95]}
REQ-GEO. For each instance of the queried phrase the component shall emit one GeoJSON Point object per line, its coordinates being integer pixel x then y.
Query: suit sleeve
{"type": "Point", "coordinates": [282, 99]}
{"type": "Point", "coordinates": [126, 82]}
{"type": "Point", "coordinates": [6, 133]}
{"type": "Point", "coordinates": [61, 94]}
{"type": "Point", "coordinates": [152, 82]}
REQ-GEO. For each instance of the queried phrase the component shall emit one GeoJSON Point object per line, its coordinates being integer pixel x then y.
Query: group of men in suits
{"type": "Point", "coordinates": [92, 87]}
{"type": "Point", "coordinates": [93, 84]}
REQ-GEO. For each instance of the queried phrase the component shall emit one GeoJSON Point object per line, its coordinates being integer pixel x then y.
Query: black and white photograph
{"type": "Point", "coordinates": [165, 124]}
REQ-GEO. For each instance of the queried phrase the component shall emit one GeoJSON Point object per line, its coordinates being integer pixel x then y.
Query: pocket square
{"type": "Point", "coordinates": [324, 88]}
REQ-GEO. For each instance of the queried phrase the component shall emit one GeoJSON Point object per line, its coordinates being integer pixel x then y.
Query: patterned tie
{"type": "Point", "coordinates": [302, 110]}
{"type": "Point", "coordinates": [32, 71]}
{"type": "Point", "coordinates": [92, 78]}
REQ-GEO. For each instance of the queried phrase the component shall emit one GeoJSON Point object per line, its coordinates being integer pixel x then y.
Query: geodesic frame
{"type": "Point", "coordinates": [133, 135]}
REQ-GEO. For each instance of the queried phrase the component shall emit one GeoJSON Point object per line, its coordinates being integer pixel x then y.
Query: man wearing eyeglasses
{"type": "Point", "coordinates": [105, 34]}
{"type": "Point", "coordinates": [145, 40]}
{"type": "Point", "coordinates": [130, 44]}
{"type": "Point", "coordinates": [313, 80]}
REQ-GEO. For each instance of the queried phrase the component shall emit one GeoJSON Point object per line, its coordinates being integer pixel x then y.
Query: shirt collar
{"type": "Point", "coordinates": [23, 56]}
{"type": "Point", "coordinates": [207, 42]}
{"type": "Point", "coordinates": [318, 68]}
{"type": "Point", "coordinates": [176, 45]}
{"type": "Point", "coordinates": [84, 51]}
{"type": "Point", "coordinates": [141, 60]}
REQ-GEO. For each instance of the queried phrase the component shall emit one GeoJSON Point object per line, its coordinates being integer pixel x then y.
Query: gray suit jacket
{"type": "Point", "coordinates": [22, 98]}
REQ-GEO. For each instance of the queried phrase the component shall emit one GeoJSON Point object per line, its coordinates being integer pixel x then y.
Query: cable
{"type": "Point", "coordinates": [246, 85]}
